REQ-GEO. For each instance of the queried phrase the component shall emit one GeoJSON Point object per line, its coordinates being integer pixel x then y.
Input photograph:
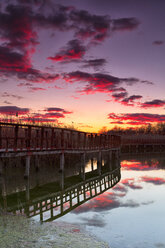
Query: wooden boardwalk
{"type": "Point", "coordinates": [17, 139]}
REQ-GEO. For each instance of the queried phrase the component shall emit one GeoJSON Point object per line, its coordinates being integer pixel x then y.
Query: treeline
{"type": "Point", "coordinates": [158, 128]}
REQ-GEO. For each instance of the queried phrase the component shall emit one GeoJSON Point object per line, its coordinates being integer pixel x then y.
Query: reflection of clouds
{"type": "Point", "coordinates": [153, 180]}
{"type": "Point", "coordinates": [95, 221]}
{"type": "Point", "coordinates": [120, 188]}
{"type": "Point", "coordinates": [129, 182]}
{"type": "Point", "coordinates": [106, 201]}
{"type": "Point", "coordinates": [137, 165]}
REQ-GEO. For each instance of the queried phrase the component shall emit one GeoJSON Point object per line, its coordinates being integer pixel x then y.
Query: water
{"type": "Point", "coordinates": [130, 214]}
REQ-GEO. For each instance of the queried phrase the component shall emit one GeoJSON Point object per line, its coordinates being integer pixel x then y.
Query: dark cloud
{"type": "Point", "coordinates": [52, 109]}
{"type": "Point", "coordinates": [129, 101]}
{"type": "Point", "coordinates": [104, 202]}
{"type": "Point", "coordinates": [158, 42]}
{"type": "Point", "coordinates": [129, 182]}
{"type": "Point", "coordinates": [153, 104]}
{"type": "Point", "coordinates": [153, 180]}
{"type": "Point", "coordinates": [74, 50]}
{"type": "Point", "coordinates": [34, 89]}
{"type": "Point", "coordinates": [5, 94]}
{"type": "Point", "coordinates": [96, 221]}
{"type": "Point", "coordinates": [98, 82]}
{"type": "Point", "coordinates": [141, 118]}
{"type": "Point", "coordinates": [119, 96]}
{"type": "Point", "coordinates": [123, 24]}
{"type": "Point", "coordinates": [95, 63]}
{"type": "Point", "coordinates": [13, 110]}
{"type": "Point", "coordinates": [139, 166]}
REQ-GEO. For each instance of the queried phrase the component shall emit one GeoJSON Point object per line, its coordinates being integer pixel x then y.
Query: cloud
{"type": "Point", "coordinates": [130, 101]}
{"type": "Point", "coordinates": [13, 110]}
{"type": "Point", "coordinates": [138, 118]}
{"type": "Point", "coordinates": [5, 94]}
{"type": "Point", "coordinates": [156, 103]}
{"type": "Point", "coordinates": [123, 24]}
{"type": "Point", "coordinates": [95, 63]}
{"type": "Point", "coordinates": [34, 89]}
{"type": "Point", "coordinates": [153, 180]}
{"type": "Point", "coordinates": [54, 109]}
{"type": "Point", "coordinates": [74, 50]}
{"type": "Point", "coordinates": [158, 42]}
{"type": "Point", "coordinates": [129, 182]}
{"type": "Point", "coordinates": [104, 202]}
{"type": "Point", "coordinates": [95, 221]}
{"type": "Point", "coordinates": [98, 82]}
{"type": "Point", "coordinates": [138, 165]}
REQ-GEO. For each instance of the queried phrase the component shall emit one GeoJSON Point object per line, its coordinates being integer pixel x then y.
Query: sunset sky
{"type": "Point", "coordinates": [87, 63]}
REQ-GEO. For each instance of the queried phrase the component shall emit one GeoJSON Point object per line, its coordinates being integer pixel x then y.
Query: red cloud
{"type": "Point", "coordinates": [139, 118]}
{"type": "Point", "coordinates": [74, 50]}
{"type": "Point", "coordinates": [138, 165]}
{"type": "Point", "coordinates": [13, 110]}
{"type": "Point", "coordinates": [153, 180]}
{"type": "Point", "coordinates": [156, 103]}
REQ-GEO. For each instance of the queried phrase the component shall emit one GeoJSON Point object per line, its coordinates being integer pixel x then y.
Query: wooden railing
{"type": "Point", "coordinates": [18, 137]}
{"type": "Point", "coordinates": [142, 139]}
{"type": "Point", "coordinates": [57, 204]}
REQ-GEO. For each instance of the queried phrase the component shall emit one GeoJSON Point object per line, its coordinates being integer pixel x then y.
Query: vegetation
{"type": "Point", "coordinates": [158, 128]}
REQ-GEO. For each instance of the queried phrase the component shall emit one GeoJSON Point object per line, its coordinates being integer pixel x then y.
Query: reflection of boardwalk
{"type": "Point", "coordinates": [55, 205]}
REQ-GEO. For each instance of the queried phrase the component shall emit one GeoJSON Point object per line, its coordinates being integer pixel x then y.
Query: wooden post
{"type": "Point", "coordinates": [1, 167]}
{"type": "Point", "coordinates": [15, 137]}
{"type": "Point", "coordinates": [95, 141]}
{"type": "Point", "coordinates": [42, 137]}
{"type": "Point", "coordinates": [27, 168]}
{"type": "Point", "coordinates": [29, 137]}
{"type": "Point", "coordinates": [62, 139]}
{"type": "Point", "coordinates": [0, 137]}
{"type": "Point", "coordinates": [110, 160]}
{"type": "Point", "coordinates": [71, 140]}
{"type": "Point", "coordinates": [100, 141]}
{"type": "Point", "coordinates": [99, 163]}
{"type": "Point", "coordinates": [92, 164]}
{"type": "Point", "coordinates": [62, 164]}
{"type": "Point", "coordinates": [78, 140]}
{"type": "Point", "coordinates": [37, 138]}
{"type": "Point", "coordinates": [83, 166]}
{"type": "Point", "coordinates": [85, 140]}
{"type": "Point", "coordinates": [91, 141]}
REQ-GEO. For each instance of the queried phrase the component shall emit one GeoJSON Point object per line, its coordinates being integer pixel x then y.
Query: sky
{"type": "Point", "coordinates": [86, 64]}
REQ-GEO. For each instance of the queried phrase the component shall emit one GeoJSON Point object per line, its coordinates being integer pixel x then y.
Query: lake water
{"type": "Point", "coordinates": [130, 214]}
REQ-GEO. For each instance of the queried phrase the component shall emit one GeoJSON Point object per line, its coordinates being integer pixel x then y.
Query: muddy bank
{"type": "Point", "coordinates": [17, 231]}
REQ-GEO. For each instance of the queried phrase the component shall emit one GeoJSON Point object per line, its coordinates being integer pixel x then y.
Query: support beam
{"type": "Point", "coordinates": [27, 168]}
{"type": "Point", "coordinates": [92, 167]}
{"type": "Point", "coordinates": [99, 163]}
{"type": "Point", "coordinates": [83, 157]}
{"type": "Point", "coordinates": [62, 165]}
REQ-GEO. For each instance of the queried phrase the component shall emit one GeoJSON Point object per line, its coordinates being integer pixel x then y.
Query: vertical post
{"type": "Point", "coordinates": [92, 164]}
{"type": "Point", "coordinates": [37, 137]}
{"type": "Point", "coordinates": [62, 164]}
{"type": "Point", "coordinates": [83, 166]}
{"type": "Point", "coordinates": [62, 139]}
{"type": "Point", "coordinates": [110, 160]}
{"type": "Point", "coordinates": [29, 137]}
{"type": "Point", "coordinates": [85, 136]}
{"type": "Point", "coordinates": [0, 137]}
{"type": "Point", "coordinates": [27, 168]}
{"type": "Point", "coordinates": [42, 137]}
{"type": "Point", "coordinates": [100, 141]}
{"type": "Point", "coordinates": [52, 137]}
{"type": "Point", "coordinates": [99, 163]}
{"type": "Point", "coordinates": [71, 140]}
{"type": "Point", "coordinates": [91, 141]}
{"type": "Point", "coordinates": [15, 137]}
{"type": "Point", "coordinates": [78, 141]}
{"type": "Point", "coordinates": [1, 167]}
{"type": "Point", "coordinates": [95, 142]}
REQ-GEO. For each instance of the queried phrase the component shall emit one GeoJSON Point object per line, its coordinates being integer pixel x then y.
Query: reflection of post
{"type": "Point", "coordinates": [27, 169]}
{"type": "Point", "coordinates": [110, 160]}
{"type": "Point", "coordinates": [92, 164]}
{"type": "Point", "coordinates": [28, 189]}
{"type": "Point", "coordinates": [83, 166]}
{"type": "Point", "coordinates": [99, 163]}
{"type": "Point", "coordinates": [1, 167]}
{"type": "Point", "coordinates": [62, 162]}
